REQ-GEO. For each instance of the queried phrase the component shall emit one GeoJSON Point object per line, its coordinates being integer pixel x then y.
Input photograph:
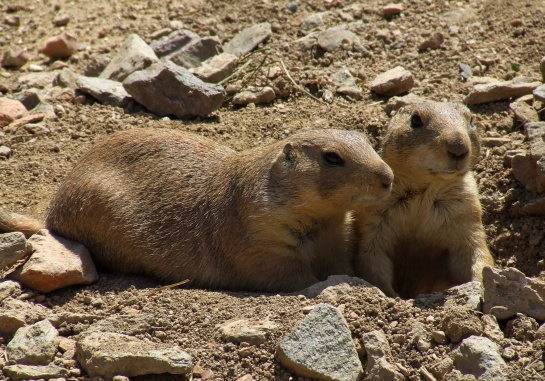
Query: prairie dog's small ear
{"type": "Point", "coordinates": [288, 155]}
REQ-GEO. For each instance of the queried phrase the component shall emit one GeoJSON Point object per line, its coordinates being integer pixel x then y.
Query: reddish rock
{"type": "Point", "coordinates": [56, 263]}
{"type": "Point", "coordinates": [61, 46]}
{"type": "Point", "coordinates": [434, 42]}
{"type": "Point", "coordinates": [393, 82]}
{"type": "Point", "coordinates": [14, 58]}
{"type": "Point", "coordinates": [392, 10]}
{"type": "Point", "coordinates": [10, 110]}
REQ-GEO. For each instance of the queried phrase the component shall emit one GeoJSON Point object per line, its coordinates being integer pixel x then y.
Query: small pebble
{"type": "Point", "coordinates": [292, 7]}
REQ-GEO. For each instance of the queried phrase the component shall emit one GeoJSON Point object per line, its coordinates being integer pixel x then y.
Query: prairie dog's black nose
{"type": "Point", "coordinates": [386, 176]}
{"type": "Point", "coordinates": [458, 149]}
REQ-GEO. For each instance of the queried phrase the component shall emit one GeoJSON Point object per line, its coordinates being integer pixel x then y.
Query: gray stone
{"type": "Point", "coordinates": [42, 80]}
{"type": "Point", "coordinates": [15, 314]}
{"type": "Point", "coordinates": [107, 354]}
{"type": "Point", "coordinates": [57, 262]}
{"type": "Point", "coordinates": [104, 90]}
{"type": "Point", "coordinates": [508, 291]}
{"type": "Point", "coordinates": [491, 328]}
{"type": "Point", "coordinates": [542, 67]}
{"type": "Point", "coordinates": [252, 332]}
{"type": "Point", "coordinates": [346, 84]}
{"type": "Point", "coordinates": [168, 89]}
{"type": "Point", "coordinates": [173, 42]}
{"type": "Point", "coordinates": [535, 133]}
{"type": "Point", "coordinates": [217, 69]}
{"type": "Point", "coordinates": [321, 347]}
{"type": "Point", "coordinates": [36, 129]}
{"type": "Point", "coordinates": [314, 21]}
{"type": "Point", "coordinates": [528, 171]}
{"type": "Point", "coordinates": [95, 65]}
{"type": "Point", "coordinates": [61, 19]}
{"type": "Point", "coordinates": [379, 365]}
{"type": "Point", "coordinates": [524, 113]}
{"type": "Point", "coordinates": [34, 345]}
{"type": "Point", "coordinates": [480, 357]}
{"type": "Point", "coordinates": [461, 322]}
{"type": "Point", "coordinates": [256, 95]}
{"type": "Point", "coordinates": [419, 336]}
{"type": "Point", "coordinates": [5, 151]}
{"type": "Point", "coordinates": [499, 91]}
{"type": "Point", "coordinates": [433, 42]}
{"type": "Point", "coordinates": [9, 288]}
{"type": "Point", "coordinates": [521, 328]}
{"type": "Point", "coordinates": [66, 78]}
{"type": "Point", "coordinates": [336, 286]}
{"type": "Point", "coordinates": [247, 40]}
{"type": "Point", "coordinates": [133, 55]}
{"type": "Point", "coordinates": [29, 98]}
{"type": "Point", "coordinates": [13, 248]}
{"type": "Point", "coordinates": [65, 317]}
{"type": "Point", "coordinates": [465, 71]}
{"type": "Point", "coordinates": [469, 295]}
{"type": "Point", "coordinates": [196, 52]}
{"type": "Point", "coordinates": [442, 367]}
{"type": "Point", "coordinates": [539, 93]}
{"type": "Point", "coordinates": [127, 324]}
{"type": "Point", "coordinates": [34, 372]}
{"type": "Point", "coordinates": [393, 82]}
{"type": "Point", "coordinates": [395, 103]}
{"type": "Point", "coordinates": [14, 58]}
{"type": "Point", "coordinates": [330, 39]}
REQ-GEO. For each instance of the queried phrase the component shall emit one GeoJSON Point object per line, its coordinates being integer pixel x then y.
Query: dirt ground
{"type": "Point", "coordinates": [29, 178]}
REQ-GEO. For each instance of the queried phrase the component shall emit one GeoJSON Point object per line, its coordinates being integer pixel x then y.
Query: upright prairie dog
{"type": "Point", "coordinates": [427, 235]}
{"type": "Point", "coordinates": [175, 205]}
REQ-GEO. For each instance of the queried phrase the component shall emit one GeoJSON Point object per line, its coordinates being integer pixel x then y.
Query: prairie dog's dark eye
{"type": "Point", "coordinates": [333, 158]}
{"type": "Point", "coordinates": [416, 121]}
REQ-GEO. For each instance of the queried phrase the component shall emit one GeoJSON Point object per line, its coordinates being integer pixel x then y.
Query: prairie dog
{"type": "Point", "coordinates": [175, 205]}
{"type": "Point", "coordinates": [427, 235]}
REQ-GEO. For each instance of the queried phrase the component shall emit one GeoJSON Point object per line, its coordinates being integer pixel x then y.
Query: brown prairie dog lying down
{"type": "Point", "coordinates": [175, 205]}
{"type": "Point", "coordinates": [427, 235]}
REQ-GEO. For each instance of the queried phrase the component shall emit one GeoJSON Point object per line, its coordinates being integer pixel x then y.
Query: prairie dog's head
{"type": "Point", "coordinates": [337, 167]}
{"type": "Point", "coordinates": [431, 140]}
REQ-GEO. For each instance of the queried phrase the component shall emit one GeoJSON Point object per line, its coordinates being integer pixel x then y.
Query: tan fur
{"type": "Point", "coordinates": [10, 222]}
{"type": "Point", "coordinates": [427, 235]}
{"type": "Point", "coordinates": [176, 205]}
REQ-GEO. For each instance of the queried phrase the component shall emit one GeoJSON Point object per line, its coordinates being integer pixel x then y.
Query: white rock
{"type": "Point", "coordinates": [34, 345]}
{"type": "Point", "coordinates": [480, 357]}
{"type": "Point", "coordinates": [251, 332]}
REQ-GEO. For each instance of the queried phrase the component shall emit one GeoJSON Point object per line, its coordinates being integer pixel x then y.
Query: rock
{"type": "Point", "coordinates": [66, 78]}
{"type": "Point", "coordinates": [392, 10]}
{"type": "Point", "coordinates": [217, 69]}
{"type": "Point", "coordinates": [10, 110]}
{"type": "Point", "coordinates": [393, 82]}
{"type": "Point", "coordinates": [480, 357]}
{"type": "Point", "coordinates": [133, 55]}
{"type": "Point", "coordinates": [107, 354]}
{"type": "Point", "coordinates": [65, 318]}
{"type": "Point", "coordinates": [528, 171]}
{"type": "Point", "coordinates": [460, 322]}
{"type": "Point", "coordinates": [539, 93]}
{"type": "Point", "coordinates": [61, 19]}
{"type": "Point", "coordinates": [29, 98]}
{"type": "Point", "coordinates": [34, 345]}
{"type": "Point", "coordinates": [61, 46]}
{"type": "Point", "coordinates": [522, 328]}
{"type": "Point", "coordinates": [29, 372]}
{"type": "Point", "coordinates": [433, 42]}
{"type": "Point", "coordinates": [465, 71]}
{"type": "Point", "coordinates": [37, 80]}
{"type": "Point", "coordinates": [460, 16]}
{"type": "Point", "coordinates": [314, 21]}
{"type": "Point", "coordinates": [5, 152]}
{"type": "Point", "coordinates": [346, 84]}
{"type": "Point", "coordinates": [173, 42]}
{"type": "Point", "coordinates": [542, 68]}
{"type": "Point", "coordinates": [246, 377]}
{"type": "Point", "coordinates": [441, 368]}
{"type": "Point", "coordinates": [104, 90]}
{"type": "Point", "coordinates": [508, 291]}
{"type": "Point", "coordinates": [130, 325]}
{"type": "Point", "coordinates": [494, 142]}
{"type": "Point", "coordinates": [534, 207]}
{"type": "Point", "coordinates": [251, 332]}
{"type": "Point", "coordinates": [330, 39]}
{"type": "Point", "coordinates": [56, 263]}
{"type": "Point", "coordinates": [95, 66]}
{"type": "Point", "coordinates": [440, 337]}
{"type": "Point", "coordinates": [247, 40]}
{"type": "Point", "coordinates": [321, 347]}
{"type": "Point", "coordinates": [15, 314]}
{"type": "Point", "coordinates": [9, 288]}
{"type": "Point", "coordinates": [419, 336]}
{"type": "Point", "coordinates": [509, 155]}
{"type": "Point", "coordinates": [336, 286]}
{"type": "Point", "coordinates": [491, 329]}
{"type": "Point", "coordinates": [195, 52]}
{"type": "Point", "coordinates": [13, 248]}
{"type": "Point", "coordinates": [395, 103]}
{"type": "Point", "coordinates": [468, 295]}
{"type": "Point", "coordinates": [168, 89]}
{"type": "Point", "coordinates": [379, 367]}
{"type": "Point", "coordinates": [14, 58]}
{"type": "Point", "coordinates": [499, 91]}
{"type": "Point", "coordinates": [524, 113]}
{"type": "Point", "coordinates": [255, 95]}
